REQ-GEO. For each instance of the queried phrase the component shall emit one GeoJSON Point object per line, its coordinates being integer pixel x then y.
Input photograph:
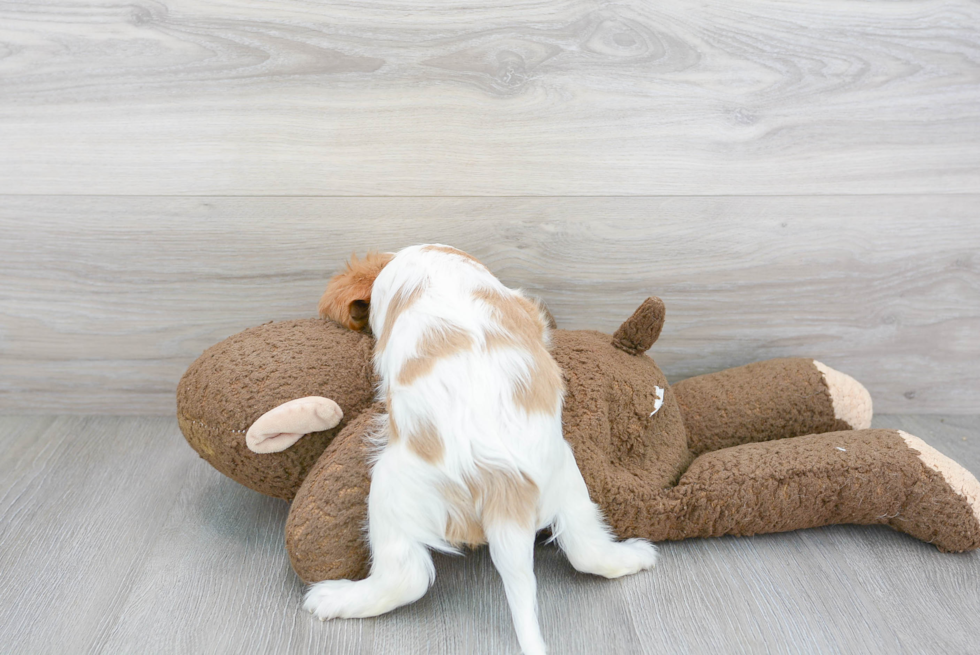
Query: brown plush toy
{"type": "Point", "coordinates": [768, 447]}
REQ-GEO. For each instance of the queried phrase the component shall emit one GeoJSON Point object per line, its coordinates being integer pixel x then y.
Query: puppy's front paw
{"type": "Point", "coordinates": [329, 599]}
{"type": "Point", "coordinates": [628, 557]}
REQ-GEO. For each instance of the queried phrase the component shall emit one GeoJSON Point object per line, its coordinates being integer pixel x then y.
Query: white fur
{"type": "Point", "coordinates": [468, 397]}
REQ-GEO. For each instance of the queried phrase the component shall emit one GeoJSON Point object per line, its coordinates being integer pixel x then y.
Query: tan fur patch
{"type": "Point", "coordinates": [393, 433]}
{"type": "Point", "coordinates": [426, 443]}
{"type": "Point", "coordinates": [518, 316]}
{"type": "Point", "coordinates": [494, 340]}
{"type": "Point", "coordinates": [348, 293]}
{"type": "Point", "coordinates": [462, 524]}
{"type": "Point", "coordinates": [435, 344]}
{"type": "Point", "coordinates": [534, 310]}
{"type": "Point", "coordinates": [464, 532]}
{"type": "Point", "coordinates": [492, 497]}
{"type": "Point", "coordinates": [507, 498]}
{"type": "Point", "coordinates": [400, 301]}
{"type": "Point", "coordinates": [449, 250]}
{"type": "Point", "coordinates": [540, 393]}
{"type": "Point", "coordinates": [522, 327]}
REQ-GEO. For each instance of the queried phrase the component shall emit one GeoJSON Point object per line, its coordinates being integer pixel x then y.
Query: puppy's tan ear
{"type": "Point", "coordinates": [347, 299]}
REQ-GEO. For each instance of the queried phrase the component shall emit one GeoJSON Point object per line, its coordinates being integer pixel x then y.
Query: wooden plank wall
{"type": "Point", "coordinates": [792, 178]}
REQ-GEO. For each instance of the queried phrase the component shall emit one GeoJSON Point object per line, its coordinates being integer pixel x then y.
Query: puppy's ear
{"type": "Point", "coordinates": [347, 299]}
{"type": "Point", "coordinates": [359, 311]}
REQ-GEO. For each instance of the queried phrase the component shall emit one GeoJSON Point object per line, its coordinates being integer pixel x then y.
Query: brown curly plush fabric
{"type": "Point", "coordinates": [324, 531]}
{"type": "Point", "coordinates": [607, 418]}
{"type": "Point", "coordinates": [236, 381]}
{"type": "Point", "coordinates": [853, 476]}
{"type": "Point", "coordinates": [774, 399]}
{"type": "Point", "coordinates": [724, 454]}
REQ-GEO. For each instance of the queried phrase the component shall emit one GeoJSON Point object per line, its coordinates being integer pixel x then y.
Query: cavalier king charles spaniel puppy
{"type": "Point", "coordinates": [470, 449]}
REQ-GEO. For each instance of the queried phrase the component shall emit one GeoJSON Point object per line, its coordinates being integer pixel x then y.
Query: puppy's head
{"type": "Point", "coordinates": [347, 299]}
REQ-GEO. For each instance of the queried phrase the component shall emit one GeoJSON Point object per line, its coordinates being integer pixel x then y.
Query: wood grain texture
{"type": "Point", "coordinates": [82, 500]}
{"type": "Point", "coordinates": [104, 301]}
{"type": "Point", "coordinates": [116, 538]}
{"type": "Point", "coordinates": [414, 97]}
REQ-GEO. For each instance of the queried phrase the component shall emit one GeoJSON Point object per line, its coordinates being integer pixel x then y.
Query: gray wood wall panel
{"type": "Point", "coordinates": [414, 97]}
{"type": "Point", "coordinates": [104, 301]}
{"type": "Point", "coordinates": [116, 538]}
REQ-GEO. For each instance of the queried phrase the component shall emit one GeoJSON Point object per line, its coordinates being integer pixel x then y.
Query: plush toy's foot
{"type": "Point", "coordinates": [925, 511]}
{"type": "Point", "coordinates": [852, 402]}
{"type": "Point", "coordinates": [282, 426]}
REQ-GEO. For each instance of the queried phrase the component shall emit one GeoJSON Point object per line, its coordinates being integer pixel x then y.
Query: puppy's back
{"type": "Point", "coordinates": [465, 370]}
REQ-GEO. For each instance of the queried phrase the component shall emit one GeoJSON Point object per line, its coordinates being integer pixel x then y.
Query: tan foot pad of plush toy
{"type": "Point", "coordinates": [777, 445]}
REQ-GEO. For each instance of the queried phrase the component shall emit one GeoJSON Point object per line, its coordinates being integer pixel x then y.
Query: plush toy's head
{"type": "Point", "coordinates": [620, 416]}
{"type": "Point", "coordinates": [236, 381]}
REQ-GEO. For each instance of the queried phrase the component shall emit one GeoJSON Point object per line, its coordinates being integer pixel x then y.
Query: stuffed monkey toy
{"type": "Point", "coordinates": [777, 445]}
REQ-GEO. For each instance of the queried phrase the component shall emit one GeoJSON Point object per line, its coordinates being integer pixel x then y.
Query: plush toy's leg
{"type": "Point", "coordinates": [861, 476]}
{"type": "Point", "coordinates": [769, 400]}
{"type": "Point", "coordinates": [325, 528]}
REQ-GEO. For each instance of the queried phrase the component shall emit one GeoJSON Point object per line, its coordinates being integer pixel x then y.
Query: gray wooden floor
{"type": "Point", "coordinates": [116, 538]}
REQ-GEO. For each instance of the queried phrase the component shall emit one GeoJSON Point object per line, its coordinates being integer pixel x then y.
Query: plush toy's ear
{"type": "Point", "coordinates": [282, 426]}
{"type": "Point", "coordinates": [640, 331]}
{"type": "Point", "coordinates": [347, 299]}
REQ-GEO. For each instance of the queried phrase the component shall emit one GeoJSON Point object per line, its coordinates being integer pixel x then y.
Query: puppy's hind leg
{"type": "Point", "coordinates": [583, 534]}
{"type": "Point", "coordinates": [512, 552]}
{"type": "Point", "coordinates": [401, 565]}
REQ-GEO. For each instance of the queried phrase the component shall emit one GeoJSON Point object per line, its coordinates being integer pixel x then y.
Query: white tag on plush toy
{"type": "Point", "coordinates": [659, 402]}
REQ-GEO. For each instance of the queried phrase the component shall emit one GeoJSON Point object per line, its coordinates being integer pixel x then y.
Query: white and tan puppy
{"type": "Point", "coordinates": [471, 448]}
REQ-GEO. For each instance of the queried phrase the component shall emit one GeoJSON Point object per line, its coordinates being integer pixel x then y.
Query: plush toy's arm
{"type": "Point", "coordinates": [325, 531]}
{"type": "Point", "coordinates": [769, 400]}
{"type": "Point", "coordinates": [856, 476]}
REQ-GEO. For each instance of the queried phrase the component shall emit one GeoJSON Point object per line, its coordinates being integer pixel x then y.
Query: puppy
{"type": "Point", "coordinates": [471, 449]}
